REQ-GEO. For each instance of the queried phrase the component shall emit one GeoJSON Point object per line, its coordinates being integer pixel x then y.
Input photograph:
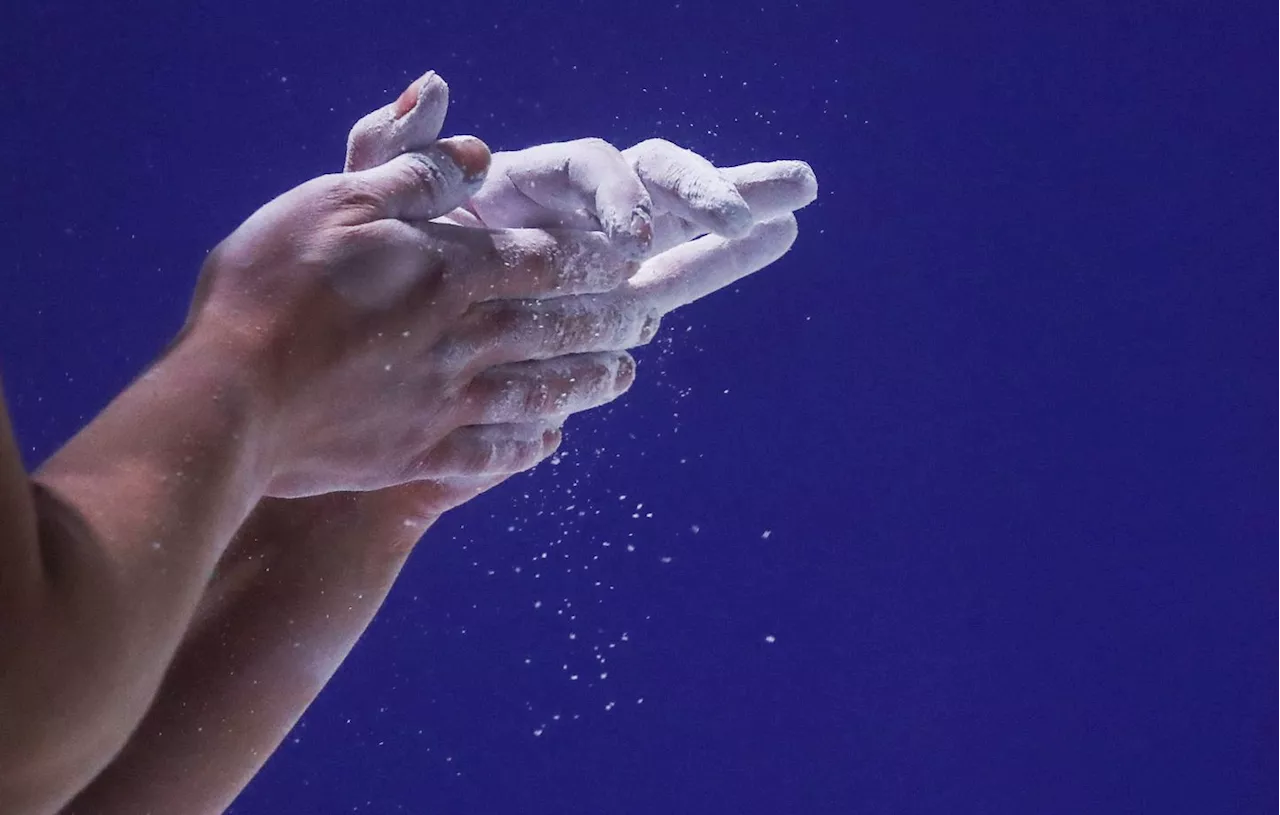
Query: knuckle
{"type": "Point", "coordinates": [500, 318]}
{"type": "Point", "coordinates": [426, 172]}
{"type": "Point", "coordinates": [655, 147]}
{"type": "Point", "coordinates": [595, 143]}
{"type": "Point", "coordinates": [351, 195]}
{"type": "Point", "coordinates": [542, 255]}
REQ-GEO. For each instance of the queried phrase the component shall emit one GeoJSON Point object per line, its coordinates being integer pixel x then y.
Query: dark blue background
{"type": "Point", "coordinates": [1006, 410]}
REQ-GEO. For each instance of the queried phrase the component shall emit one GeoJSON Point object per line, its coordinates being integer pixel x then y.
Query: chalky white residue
{"type": "Point", "coordinates": [694, 270]}
{"type": "Point", "coordinates": [773, 188]}
{"type": "Point", "coordinates": [587, 263]}
{"type": "Point", "coordinates": [683, 182]}
{"type": "Point", "coordinates": [381, 136]}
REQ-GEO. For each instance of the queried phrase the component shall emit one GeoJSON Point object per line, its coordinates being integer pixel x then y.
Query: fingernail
{"type": "Point", "coordinates": [551, 437]}
{"type": "Point", "coordinates": [430, 82]}
{"type": "Point", "coordinates": [406, 101]}
{"type": "Point", "coordinates": [642, 226]}
{"type": "Point", "coordinates": [650, 328]}
{"type": "Point", "coordinates": [626, 372]}
{"type": "Point", "coordinates": [469, 153]}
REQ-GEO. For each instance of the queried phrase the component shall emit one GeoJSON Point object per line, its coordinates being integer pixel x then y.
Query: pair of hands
{"type": "Point", "coordinates": [425, 322]}
{"type": "Point", "coordinates": [408, 333]}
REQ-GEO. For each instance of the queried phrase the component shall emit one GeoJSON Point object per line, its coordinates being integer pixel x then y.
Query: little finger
{"type": "Point", "coordinates": [548, 390]}
{"type": "Point", "coordinates": [505, 331]}
{"type": "Point", "coordinates": [491, 449]}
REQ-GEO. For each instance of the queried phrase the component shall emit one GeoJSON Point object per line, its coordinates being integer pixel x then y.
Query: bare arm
{"type": "Point", "coordinates": [304, 577]}
{"type": "Point", "coordinates": [105, 554]}
{"type": "Point", "coordinates": [296, 590]}
{"type": "Point", "coordinates": [340, 288]}
{"type": "Point", "coordinates": [294, 593]}
{"type": "Point", "coordinates": [20, 569]}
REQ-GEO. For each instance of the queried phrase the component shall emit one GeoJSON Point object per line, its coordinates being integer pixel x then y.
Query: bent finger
{"type": "Point", "coordinates": [410, 123]}
{"type": "Point", "coordinates": [548, 390]}
{"type": "Point", "coordinates": [492, 449]}
{"type": "Point", "coordinates": [773, 188]}
{"type": "Point", "coordinates": [580, 184]}
{"type": "Point", "coordinates": [425, 184]}
{"type": "Point", "coordinates": [688, 186]}
{"type": "Point", "coordinates": [770, 189]}
{"type": "Point", "coordinates": [692, 271]}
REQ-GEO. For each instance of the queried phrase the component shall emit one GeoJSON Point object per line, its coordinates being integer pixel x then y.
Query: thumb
{"type": "Point", "coordinates": [427, 183]}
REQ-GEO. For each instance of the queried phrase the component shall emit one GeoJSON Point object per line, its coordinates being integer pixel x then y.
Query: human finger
{"type": "Point", "coordinates": [410, 123]}
{"type": "Point", "coordinates": [505, 331]}
{"type": "Point", "coordinates": [506, 264]}
{"type": "Point", "coordinates": [491, 449]}
{"type": "Point", "coordinates": [693, 270]}
{"type": "Point", "coordinates": [421, 185]}
{"type": "Point", "coordinates": [770, 189]}
{"type": "Point", "coordinates": [689, 187]}
{"type": "Point", "coordinates": [548, 389]}
{"type": "Point", "coordinates": [583, 184]}
{"type": "Point", "coordinates": [773, 188]}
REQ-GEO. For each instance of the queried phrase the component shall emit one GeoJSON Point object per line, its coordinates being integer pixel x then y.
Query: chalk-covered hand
{"type": "Point", "coordinates": [696, 227]}
{"type": "Point", "coordinates": [385, 348]}
{"type": "Point", "coordinates": [647, 199]}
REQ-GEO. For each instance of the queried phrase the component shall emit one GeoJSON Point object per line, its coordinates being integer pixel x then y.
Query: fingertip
{"type": "Point", "coordinates": [649, 330]}
{"type": "Point", "coordinates": [626, 374]}
{"type": "Point", "coordinates": [470, 154]}
{"type": "Point", "coordinates": [420, 90]}
{"type": "Point", "coordinates": [551, 438]}
{"type": "Point", "coordinates": [806, 181]}
{"type": "Point", "coordinates": [776, 236]}
{"type": "Point", "coordinates": [630, 232]}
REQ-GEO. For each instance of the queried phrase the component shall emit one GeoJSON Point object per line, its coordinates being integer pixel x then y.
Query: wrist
{"type": "Point", "coordinates": [230, 369]}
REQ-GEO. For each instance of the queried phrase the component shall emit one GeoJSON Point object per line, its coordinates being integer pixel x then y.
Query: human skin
{"type": "Point", "coordinates": [305, 576]}
{"type": "Point", "coordinates": [339, 288]}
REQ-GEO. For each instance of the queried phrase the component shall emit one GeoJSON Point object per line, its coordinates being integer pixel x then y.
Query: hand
{"type": "Point", "coordinates": [388, 349]}
{"type": "Point", "coordinates": [648, 199]}
{"type": "Point", "coordinates": [325, 563]}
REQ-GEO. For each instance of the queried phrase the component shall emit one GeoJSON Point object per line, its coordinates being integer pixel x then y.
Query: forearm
{"type": "Point", "coordinates": [292, 595]}
{"type": "Point", "coordinates": [19, 530]}
{"type": "Point", "coordinates": [132, 515]}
